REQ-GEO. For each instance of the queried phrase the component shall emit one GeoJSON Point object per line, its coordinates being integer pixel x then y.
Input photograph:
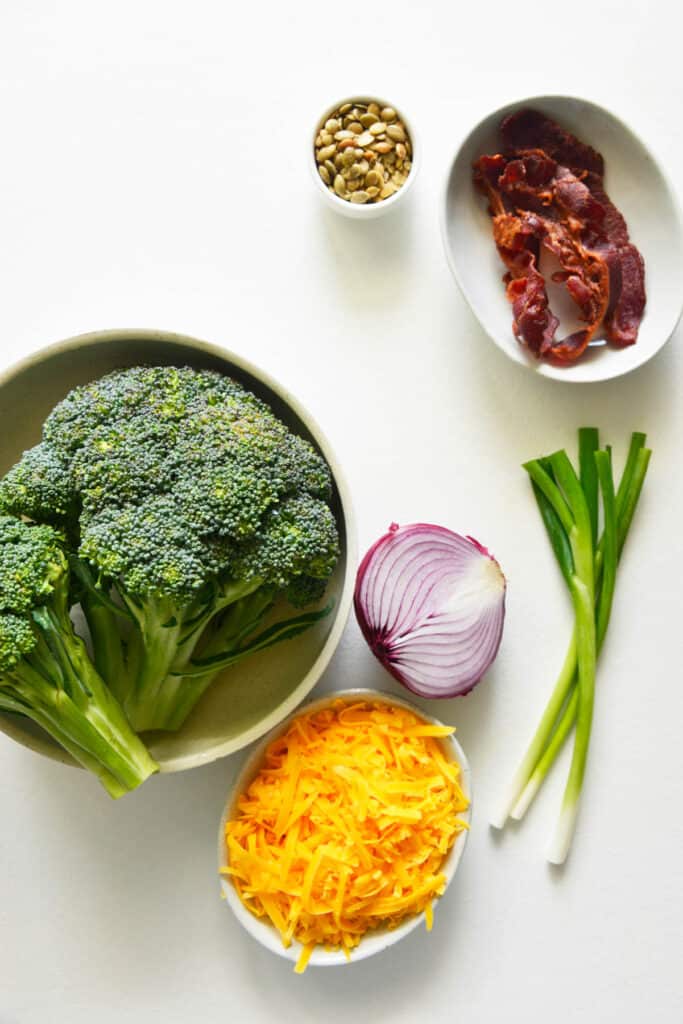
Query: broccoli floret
{"type": "Point", "coordinates": [297, 537]}
{"type": "Point", "coordinates": [45, 671]}
{"type": "Point", "coordinates": [196, 511]}
{"type": "Point", "coordinates": [39, 487]}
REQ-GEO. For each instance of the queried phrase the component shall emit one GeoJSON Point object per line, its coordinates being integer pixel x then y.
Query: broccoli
{"type": "Point", "coordinates": [45, 671]}
{"type": "Point", "coordinates": [191, 511]}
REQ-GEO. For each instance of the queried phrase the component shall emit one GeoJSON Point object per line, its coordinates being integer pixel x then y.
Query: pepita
{"type": "Point", "coordinates": [363, 153]}
{"type": "Point", "coordinates": [365, 139]}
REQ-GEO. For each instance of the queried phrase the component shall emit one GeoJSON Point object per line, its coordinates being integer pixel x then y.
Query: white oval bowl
{"type": "Point", "coordinates": [637, 186]}
{"type": "Point", "coordinates": [252, 697]}
{"type": "Point", "coordinates": [359, 211]}
{"type": "Point", "coordinates": [375, 941]}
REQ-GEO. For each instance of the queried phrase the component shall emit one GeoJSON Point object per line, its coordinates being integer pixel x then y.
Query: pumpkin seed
{"type": "Point", "coordinates": [363, 154]}
{"type": "Point", "coordinates": [365, 139]}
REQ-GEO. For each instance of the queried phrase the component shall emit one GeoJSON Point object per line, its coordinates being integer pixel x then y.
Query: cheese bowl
{"type": "Point", "coordinates": [376, 940]}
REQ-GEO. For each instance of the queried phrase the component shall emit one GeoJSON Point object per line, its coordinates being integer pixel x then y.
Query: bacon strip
{"type": "Point", "coordinates": [546, 190]}
{"type": "Point", "coordinates": [530, 129]}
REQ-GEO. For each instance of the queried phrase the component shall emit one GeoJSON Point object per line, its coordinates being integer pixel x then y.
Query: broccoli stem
{"type": "Point", "coordinates": [153, 693]}
{"type": "Point", "coordinates": [59, 688]}
{"type": "Point", "coordinates": [230, 643]}
{"type": "Point", "coordinates": [106, 640]}
{"type": "Point", "coordinates": [16, 705]}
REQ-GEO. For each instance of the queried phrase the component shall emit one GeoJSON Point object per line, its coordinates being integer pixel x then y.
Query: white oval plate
{"type": "Point", "coordinates": [637, 186]}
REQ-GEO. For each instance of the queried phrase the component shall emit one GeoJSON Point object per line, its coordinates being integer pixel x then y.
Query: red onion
{"type": "Point", "coordinates": [431, 605]}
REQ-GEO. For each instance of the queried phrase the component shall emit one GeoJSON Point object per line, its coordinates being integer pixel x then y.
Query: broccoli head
{"type": "Point", "coordinates": [191, 510]}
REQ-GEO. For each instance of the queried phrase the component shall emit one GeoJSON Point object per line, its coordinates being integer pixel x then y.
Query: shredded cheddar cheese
{"type": "Point", "coordinates": [346, 826]}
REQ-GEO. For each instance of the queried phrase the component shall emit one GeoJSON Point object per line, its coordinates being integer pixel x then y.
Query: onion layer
{"type": "Point", "coordinates": [431, 605]}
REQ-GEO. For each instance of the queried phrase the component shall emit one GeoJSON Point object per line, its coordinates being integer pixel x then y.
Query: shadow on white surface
{"type": "Point", "coordinates": [372, 261]}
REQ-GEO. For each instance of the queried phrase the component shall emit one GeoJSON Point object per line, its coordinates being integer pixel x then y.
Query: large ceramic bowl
{"type": "Point", "coordinates": [252, 697]}
{"type": "Point", "coordinates": [382, 938]}
{"type": "Point", "coordinates": [636, 184]}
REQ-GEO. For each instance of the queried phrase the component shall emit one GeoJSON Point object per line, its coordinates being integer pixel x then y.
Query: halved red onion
{"type": "Point", "coordinates": [431, 605]}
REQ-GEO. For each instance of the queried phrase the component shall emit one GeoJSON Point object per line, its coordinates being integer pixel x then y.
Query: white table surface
{"type": "Point", "coordinates": [152, 174]}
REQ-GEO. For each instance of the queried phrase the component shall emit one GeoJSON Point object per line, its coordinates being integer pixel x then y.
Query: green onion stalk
{"type": "Point", "coordinates": [570, 508]}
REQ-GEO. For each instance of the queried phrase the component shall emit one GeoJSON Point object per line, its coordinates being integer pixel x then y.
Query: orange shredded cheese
{"type": "Point", "coordinates": [346, 826]}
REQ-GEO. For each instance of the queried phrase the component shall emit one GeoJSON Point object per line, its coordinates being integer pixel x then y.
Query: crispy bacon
{"type": "Point", "coordinates": [530, 129]}
{"type": "Point", "coordinates": [546, 190]}
{"type": "Point", "coordinates": [623, 319]}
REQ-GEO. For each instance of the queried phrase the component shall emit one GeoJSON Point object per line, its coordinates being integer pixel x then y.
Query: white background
{"type": "Point", "coordinates": [152, 173]}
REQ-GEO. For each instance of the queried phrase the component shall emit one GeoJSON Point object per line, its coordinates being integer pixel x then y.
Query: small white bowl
{"type": "Point", "coordinates": [360, 211]}
{"type": "Point", "coordinates": [634, 182]}
{"type": "Point", "coordinates": [375, 941]}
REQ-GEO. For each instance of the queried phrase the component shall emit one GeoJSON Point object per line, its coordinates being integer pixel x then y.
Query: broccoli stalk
{"type": "Point", "coordinates": [45, 671]}
{"type": "Point", "coordinates": [160, 649]}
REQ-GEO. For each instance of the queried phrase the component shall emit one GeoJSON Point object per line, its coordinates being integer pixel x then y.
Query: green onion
{"type": "Point", "coordinates": [570, 509]}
